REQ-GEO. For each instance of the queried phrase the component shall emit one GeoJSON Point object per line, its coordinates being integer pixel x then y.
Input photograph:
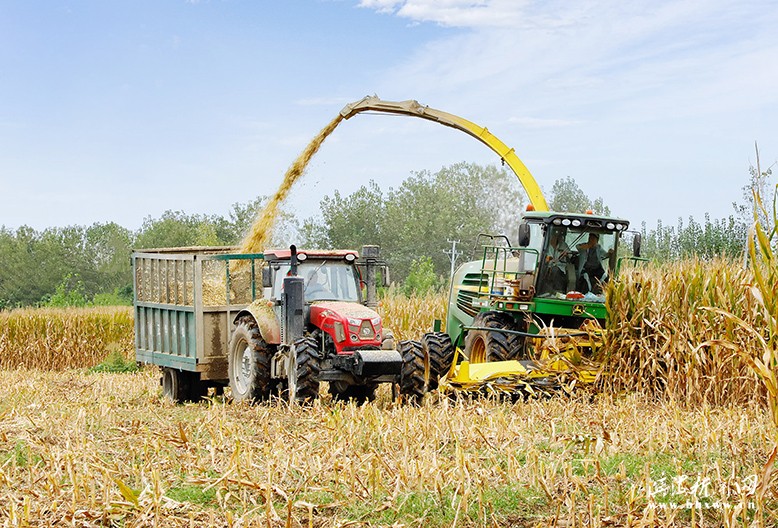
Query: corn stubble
{"type": "Point", "coordinates": [97, 450]}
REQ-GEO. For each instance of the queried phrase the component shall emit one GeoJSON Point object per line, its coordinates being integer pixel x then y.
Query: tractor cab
{"type": "Point", "coordinates": [327, 275]}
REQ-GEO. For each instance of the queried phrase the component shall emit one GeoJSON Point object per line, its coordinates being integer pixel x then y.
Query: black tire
{"type": "Point", "coordinates": [415, 373]}
{"type": "Point", "coordinates": [361, 394]}
{"type": "Point", "coordinates": [438, 348]}
{"type": "Point", "coordinates": [182, 386]}
{"type": "Point", "coordinates": [248, 362]}
{"type": "Point", "coordinates": [303, 374]}
{"type": "Point", "coordinates": [487, 346]}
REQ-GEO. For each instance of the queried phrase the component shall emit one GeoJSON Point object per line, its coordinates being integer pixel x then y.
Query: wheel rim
{"type": "Point", "coordinates": [167, 383]}
{"type": "Point", "coordinates": [478, 350]}
{"type": "Point", "coordinates": [243, 368]}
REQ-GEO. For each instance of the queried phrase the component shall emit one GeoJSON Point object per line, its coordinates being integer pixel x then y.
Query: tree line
{"type": "Point", "coordinates": [415, 225]}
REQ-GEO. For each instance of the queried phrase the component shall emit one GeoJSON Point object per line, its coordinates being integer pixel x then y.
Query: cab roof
{"type": "Point", "coordinates": [286, 254]}
{"type": "Point", "coordinates": [587, 220]}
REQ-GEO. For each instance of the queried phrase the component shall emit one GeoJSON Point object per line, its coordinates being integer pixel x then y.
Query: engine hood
{"type": "Point", "coordinates": [344, 309]}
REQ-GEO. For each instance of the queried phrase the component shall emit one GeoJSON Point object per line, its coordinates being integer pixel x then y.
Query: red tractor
{"type": "Point", "coordinates": [311, 326]}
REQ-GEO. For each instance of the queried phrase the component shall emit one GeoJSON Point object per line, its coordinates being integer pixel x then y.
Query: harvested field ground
{"type": "Point", "coordinates": [81, 449]}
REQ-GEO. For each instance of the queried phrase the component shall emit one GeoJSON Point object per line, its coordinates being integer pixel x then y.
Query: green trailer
{"type": "Point", "coordinates": [185, 301]}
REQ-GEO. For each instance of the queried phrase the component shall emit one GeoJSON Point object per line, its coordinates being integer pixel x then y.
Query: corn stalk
{"type": "Point", "coordinates": [765, 292]}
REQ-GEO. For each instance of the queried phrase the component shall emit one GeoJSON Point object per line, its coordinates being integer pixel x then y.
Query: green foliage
{"type": "Point", "coordinates": [69, 292]}
{"type": "Point", "coordinates": [421, 216]}
{"type": "Point", "coordinates": [422, 278]}
{"type": "Point", "coordinates": [711, 239]}
{"type": "Point", "coordinates": [115, 362]}
{"type": "Point", "coordinates": [567, 196]}
{"type": "Point", "coordinates": [118, 297]}
{"type": "Point", "coordinates": [78, 266]}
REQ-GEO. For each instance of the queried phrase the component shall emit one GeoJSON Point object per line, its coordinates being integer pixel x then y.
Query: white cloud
{"type": "Point", "coordinates": [647, 92]}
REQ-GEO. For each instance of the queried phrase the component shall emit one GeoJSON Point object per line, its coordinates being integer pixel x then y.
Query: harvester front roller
{"type": "Point", "coordinates": [558, 363]}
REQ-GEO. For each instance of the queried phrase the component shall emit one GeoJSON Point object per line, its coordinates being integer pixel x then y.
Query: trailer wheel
{"type": "Point", "coordinates": [248, 362]}
{"type": "Point", "coordinates": [487, 346]}
{"type": "Point", "coordinates": [303, 371]}
{"type": "Point", "coordinates": [415, 373]}
{"type": "Point", "coordinates": [181, 386]}
{"type": "Point", "coordinates": [438, 348]}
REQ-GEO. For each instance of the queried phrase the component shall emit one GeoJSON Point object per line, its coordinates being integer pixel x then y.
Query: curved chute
{"type": "Point", "coordinates": [414, 109]}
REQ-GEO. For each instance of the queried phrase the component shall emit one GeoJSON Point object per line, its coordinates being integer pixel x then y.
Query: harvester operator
{"type": "Point", "coordinates": [590, 270]}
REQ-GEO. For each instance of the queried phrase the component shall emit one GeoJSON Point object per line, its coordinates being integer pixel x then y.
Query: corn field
{"type": "Point", "coordinates": [63, 338]}
{"type": "Point", "coordinates": [677, 434]}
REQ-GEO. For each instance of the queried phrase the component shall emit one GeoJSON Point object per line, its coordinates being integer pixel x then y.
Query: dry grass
{"type": "Point", "coordinates": [63, 338]}
{"type": "Point", "coordinates": [96, 450]}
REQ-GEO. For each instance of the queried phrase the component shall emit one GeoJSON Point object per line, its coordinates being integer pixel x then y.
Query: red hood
{"type": "Point", "coordinates": [342, 308]}
{"type": "Point", "coordinates": [336, 318]}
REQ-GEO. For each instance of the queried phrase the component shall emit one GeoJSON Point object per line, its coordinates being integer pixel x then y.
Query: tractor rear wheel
{"type": "Point", "coordinates": [415, 373]}
{"type": "Point", "coordinates": [303, 371]}
{"type": "Point", "coordinates": [483, 346]}
{"type": "Point", "coordinates": [439, 351]}
{"type": "Point", "coordinates": [248, 362]}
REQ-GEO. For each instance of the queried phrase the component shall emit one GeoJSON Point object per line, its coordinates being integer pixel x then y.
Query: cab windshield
{"type": "Point", "coordinates": [324, 280]}
{"type": "Point", "coordinates": [577, 259]}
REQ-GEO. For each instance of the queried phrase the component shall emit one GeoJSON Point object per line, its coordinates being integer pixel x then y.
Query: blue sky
{"type": "Point", "coordinates": [115, 111]}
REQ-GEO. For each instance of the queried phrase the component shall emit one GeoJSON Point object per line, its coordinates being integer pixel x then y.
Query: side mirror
{"type": "Point", "coordinates": [267, 277]}
{"type": "Point", "coordinates": [524, 234]}
{"type": "Point", "coordinates": [636, 240]}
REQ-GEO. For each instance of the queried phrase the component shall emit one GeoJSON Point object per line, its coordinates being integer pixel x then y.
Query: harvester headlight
{"type": "Point", "coordinates": [566, 222]}
{"type": "Point", "coordinates": [576, 222]}
{"type": "Point", "coordinates": [350, 257]}
{"type": "Point", "coordinates": [621, 227]}
{"type": "Point", "coordinates": [557, 221]}
{"type": "Point", "coordinates": [340, 332]}
{"type": "Point", "coordinates": [302, 257]}
{"type": "Point", "coordinates": [610, 225]}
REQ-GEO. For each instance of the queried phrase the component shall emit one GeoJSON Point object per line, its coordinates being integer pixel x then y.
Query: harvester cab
{"type": "Point", "coordinates": [311, 326]}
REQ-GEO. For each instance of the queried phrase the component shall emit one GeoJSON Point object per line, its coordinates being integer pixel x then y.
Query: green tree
{"type": "Point", "coordinates": [421, 216]}
{"type": "Point", "coordinates": [422, 278]}
{"type": "Point", "coordinates": [567, 196]}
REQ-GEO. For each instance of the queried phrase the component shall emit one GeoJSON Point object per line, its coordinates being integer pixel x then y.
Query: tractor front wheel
{"type": "Point", "coordinates": [303, 371]}
{"type": "Point", "coordinates": [439, 351]}
{"type": "Point", "coordinates": [415, 373]}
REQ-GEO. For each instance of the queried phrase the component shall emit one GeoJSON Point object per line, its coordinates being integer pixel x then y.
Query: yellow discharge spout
{"type": "Point", "coordinates": [414, 109]}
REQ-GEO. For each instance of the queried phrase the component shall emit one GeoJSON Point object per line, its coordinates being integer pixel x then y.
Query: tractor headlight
{"type": "Point", "coordinates": [366, 331]}
{"type": "Point", "coordinates": [340, 332]}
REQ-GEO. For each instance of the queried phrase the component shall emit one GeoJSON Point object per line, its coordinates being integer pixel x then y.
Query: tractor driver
{"type": "Point", "coordinates": [314, 290]}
